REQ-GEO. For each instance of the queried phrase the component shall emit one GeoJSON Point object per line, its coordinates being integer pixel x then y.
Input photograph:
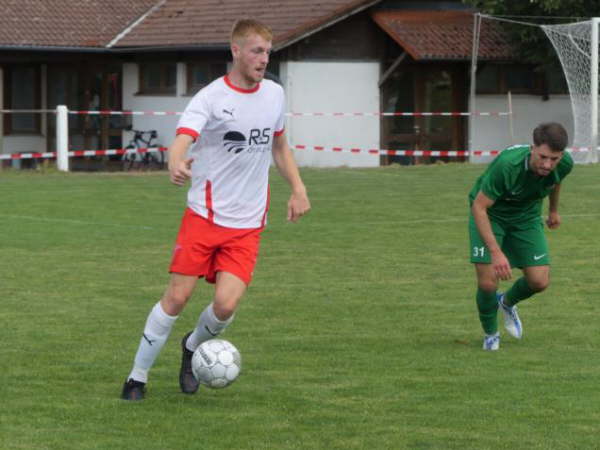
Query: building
{"type": "Point", "coordinates": [331, 56]}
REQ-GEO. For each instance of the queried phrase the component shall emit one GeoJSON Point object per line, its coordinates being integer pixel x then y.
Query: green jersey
{"type": "Point", "coordinates": [517, 191]}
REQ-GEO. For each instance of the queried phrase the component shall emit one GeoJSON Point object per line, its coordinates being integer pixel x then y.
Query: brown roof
{"type": "Point", "coordinates": [169, 23]}
{"type": "Point", "coordinates": [209, 22]}
{"type": "Point", "coordinates": [182, 23]}
{"type": "Point", "coordinates": [67, 23]}
{"type": "Point", "coordinates": [435, 35]}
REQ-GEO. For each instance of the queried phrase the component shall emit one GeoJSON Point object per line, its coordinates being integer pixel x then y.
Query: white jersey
{"type": "Point", "coordinates": [234, 130]}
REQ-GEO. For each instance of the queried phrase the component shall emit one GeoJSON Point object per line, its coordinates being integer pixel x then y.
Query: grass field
{"type": "Point", "coordinates": [359, 331]}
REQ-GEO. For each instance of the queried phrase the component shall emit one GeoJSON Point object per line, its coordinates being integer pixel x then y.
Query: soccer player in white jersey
{"type": "Point", "coordinates": [232, 128]}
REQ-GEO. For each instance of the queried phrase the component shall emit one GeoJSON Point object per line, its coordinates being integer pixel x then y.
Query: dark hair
{"type": "Point", "coordinates": [552, 134]}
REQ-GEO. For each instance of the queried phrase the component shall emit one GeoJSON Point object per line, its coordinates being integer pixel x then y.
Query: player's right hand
{"type": "Point", "coordinates": [181, 172]}
{"type": "Point", "coordinates": [501, 266]}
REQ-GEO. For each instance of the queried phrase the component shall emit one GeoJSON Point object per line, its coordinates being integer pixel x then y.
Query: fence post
{"type": "Point", "coordinates": [62, 138]}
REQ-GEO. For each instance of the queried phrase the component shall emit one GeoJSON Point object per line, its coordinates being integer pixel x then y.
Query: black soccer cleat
{"type": "Point", "coordinates": [133, 390]}
{"type": "Point", "coordinates": [187, 381]}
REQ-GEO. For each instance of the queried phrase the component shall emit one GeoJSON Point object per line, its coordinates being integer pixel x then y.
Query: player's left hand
{"type": "Point", "coordinates": [553, 220]}
{"type": "Point", "coordinates": [298, 205]}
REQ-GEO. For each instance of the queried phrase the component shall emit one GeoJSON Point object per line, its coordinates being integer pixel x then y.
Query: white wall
{"type": "Point", "coordinates": [493, 133]}
{"type": "Point", "coordinates": [165, 125]}
{"type": "Point", "coordinates": [332, 87]}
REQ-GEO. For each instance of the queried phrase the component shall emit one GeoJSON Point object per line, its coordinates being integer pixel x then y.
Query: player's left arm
{"type": "Point", "coordinates": [298, 204]}
{"type": "Point", "coordinates": [553, 220]}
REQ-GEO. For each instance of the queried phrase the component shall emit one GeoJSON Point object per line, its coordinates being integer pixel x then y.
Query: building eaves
{"type": "Point", "coordinates": [317, 25]}
{"type": "Point", "coordinates": [428, 35]}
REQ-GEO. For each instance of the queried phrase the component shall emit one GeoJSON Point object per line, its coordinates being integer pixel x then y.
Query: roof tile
{"type": "Point", "coordinates": [431, 35]}
{"type": "Point", "coordinates": [66, 23]}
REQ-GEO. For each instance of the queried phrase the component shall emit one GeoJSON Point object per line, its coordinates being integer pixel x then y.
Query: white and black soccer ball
{"type": "Point", "coordinates": [216, 363]}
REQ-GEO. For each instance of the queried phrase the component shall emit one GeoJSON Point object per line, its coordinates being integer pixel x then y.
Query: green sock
{"type": "Point", "coordinates": [488, 310]}
{"type": "Point", "coordinates": [518, 291]}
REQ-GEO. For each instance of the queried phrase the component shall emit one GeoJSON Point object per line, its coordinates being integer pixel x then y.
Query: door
{"type": "Point", "coordinates": [425, 88]}
{"type": "Point", "coordinates": [87, 87]}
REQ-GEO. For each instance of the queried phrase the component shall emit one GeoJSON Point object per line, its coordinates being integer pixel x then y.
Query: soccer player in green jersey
{"type": "Point", "coordinates": [506, 229]}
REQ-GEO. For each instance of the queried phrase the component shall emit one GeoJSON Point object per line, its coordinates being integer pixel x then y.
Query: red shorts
{"type": "Point", "coordinates": [203, 248]}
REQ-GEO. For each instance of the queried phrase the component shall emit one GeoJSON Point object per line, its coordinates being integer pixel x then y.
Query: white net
{"type": "Point", "coordinates": [572, 43]}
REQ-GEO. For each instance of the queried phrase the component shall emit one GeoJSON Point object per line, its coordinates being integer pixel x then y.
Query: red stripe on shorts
{"type": "Point", "coordinates": [208, 191]}
{"type": "Point", "coordinates": [264, 217]}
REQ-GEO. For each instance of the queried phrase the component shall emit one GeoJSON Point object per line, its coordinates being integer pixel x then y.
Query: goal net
{"type": "Point", "coordinates": [573, 44]}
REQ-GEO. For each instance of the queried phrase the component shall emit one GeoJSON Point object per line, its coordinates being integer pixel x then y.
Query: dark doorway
{"type": "Point", "coordinates": [434, 87]}
{"type": "Point", "coordinates": [87, 87]}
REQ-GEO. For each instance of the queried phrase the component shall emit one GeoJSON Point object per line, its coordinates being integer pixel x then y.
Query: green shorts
{"type": "Point", "coordinates": [524, 245]}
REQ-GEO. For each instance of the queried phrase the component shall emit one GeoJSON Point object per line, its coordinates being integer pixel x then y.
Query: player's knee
{"type": "Point", "coordinates": [224, 310]}
{"type": "Point", "coordinates": [539, 284]}
{"type": "Point", "coordinates": [487, 285]}
{"type": "Point", "coordinates": [176, 299]}
{"type": "Point", "coordinates": [226, 302]}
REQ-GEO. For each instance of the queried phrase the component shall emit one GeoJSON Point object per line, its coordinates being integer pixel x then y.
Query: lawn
{"type": "Point", "coordinates": [359, 330]}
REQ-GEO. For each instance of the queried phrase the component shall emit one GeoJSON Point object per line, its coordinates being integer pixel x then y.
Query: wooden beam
{"type": "Point", "coordinates": [388, 72]}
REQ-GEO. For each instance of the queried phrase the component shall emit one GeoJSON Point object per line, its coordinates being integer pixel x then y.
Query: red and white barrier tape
{"type": "Point", "coordinates": [127, 113]}
{"type": "Point", "coordinates": [396, 114]}
{"type": "Point", "coordinates": [309, 114]}
{"type": "Point", "coordinates": [318, 148]}
{"type": "Point", "coordinates": [384, 152]}
{"type": "Point", "coordinates": [451, 153]}
{"type": "Point", "coordinates": [76, 153]}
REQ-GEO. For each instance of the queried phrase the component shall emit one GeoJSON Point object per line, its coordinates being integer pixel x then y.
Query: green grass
{"type": "Point", "coordinates": [359, 330]}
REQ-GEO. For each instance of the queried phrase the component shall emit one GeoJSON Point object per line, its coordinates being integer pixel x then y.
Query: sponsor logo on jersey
{"type": "Point", "coordinates": [257, 142]}
{"type": "Point", "coordinates": [234, 140]}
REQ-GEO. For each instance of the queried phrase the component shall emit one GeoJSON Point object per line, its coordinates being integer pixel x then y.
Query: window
{"type": "Point", "coordinates": [199, 74]}
{"type": "Point", "coordinates": [488, 79]}
{"type": "Point", "coordinates": [520, 79]}
{"type": "Point", "coordinates": [22, 87]}
{"type": "Point", "coordinates": [63, 87]}
{"type": "Point", "coordinates": [158, 78]}
{"type": "Point", "coordinates": [501, 78]}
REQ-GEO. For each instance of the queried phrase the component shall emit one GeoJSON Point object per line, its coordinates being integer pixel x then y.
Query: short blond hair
{"type": "Point", "coordinates": [244, 27]}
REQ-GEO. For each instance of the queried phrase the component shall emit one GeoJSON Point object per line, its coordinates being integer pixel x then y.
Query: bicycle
{"type": "Point", "coordinates": [147, 160]}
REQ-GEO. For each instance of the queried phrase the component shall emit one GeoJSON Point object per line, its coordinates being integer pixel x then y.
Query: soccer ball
{"type": "Point", "coordinates": [216, 363]}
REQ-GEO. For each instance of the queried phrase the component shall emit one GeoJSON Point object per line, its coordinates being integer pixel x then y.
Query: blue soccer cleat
{"type": "Point", "coordinates": [512, 323]}
{"type": "Point", "coordinates": [491, 342]}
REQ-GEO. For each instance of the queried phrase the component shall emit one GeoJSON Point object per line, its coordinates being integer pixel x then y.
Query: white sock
{"type": "Point", "coordinates": [208, 327]}
{"type": "Point", "coordinates": [157, 330]}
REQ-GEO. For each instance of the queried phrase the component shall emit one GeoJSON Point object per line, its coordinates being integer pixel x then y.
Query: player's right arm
{"type": "Point", "coordinates": [180, 167]}
{"type": "Point", "coordinates": [500, 263]}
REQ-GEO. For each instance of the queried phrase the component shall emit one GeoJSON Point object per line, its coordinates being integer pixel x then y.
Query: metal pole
{"type": "Point", "coordinates": [1, 107]}
{"type": "Point", "coordinates": [511, 127]}
{"type": "Point", "coordinates": [472, 105]}
{"type": "Point", "coordinates": [593, 153]}
{"type": "Point", "coordinates": [62, 138]}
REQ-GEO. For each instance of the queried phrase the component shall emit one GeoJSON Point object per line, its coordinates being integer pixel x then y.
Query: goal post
{"type": "Point", "coordinates": [577, 45]}
{"type": "Point", "coordinates": [593, 156]}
